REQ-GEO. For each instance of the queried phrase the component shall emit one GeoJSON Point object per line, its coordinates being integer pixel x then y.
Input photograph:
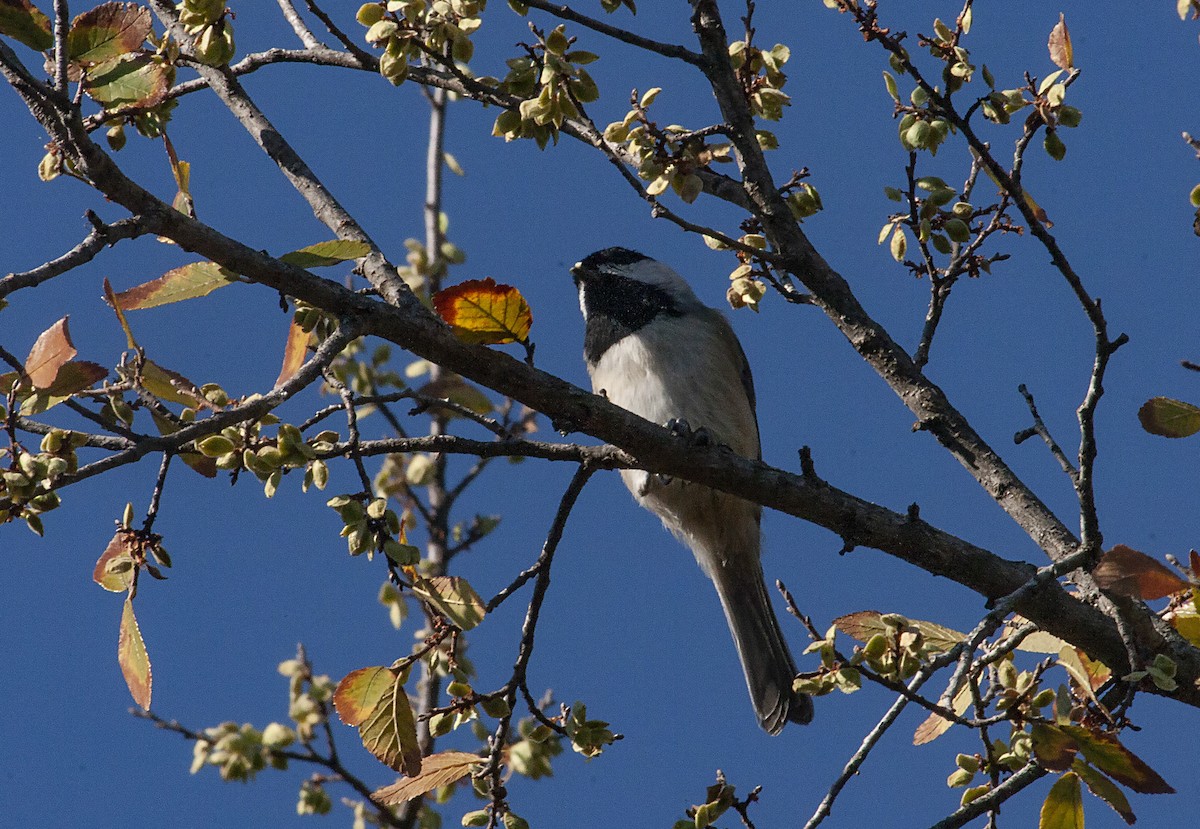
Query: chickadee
{"type": "Point", "coordinates": [653, 348]}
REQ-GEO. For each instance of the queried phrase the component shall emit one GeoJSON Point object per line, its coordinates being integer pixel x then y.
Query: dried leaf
{"type": "Point", "coordinates": [1126, 571]}
{"type": "Point", "coordinates": [1061, 51]}
{"type": "Point", "coordinates": [861, 625]}
{"type": "Point", "coordinates": [390, 732]}
{"type": "Point", "coordinates": [188, 282]}
{"type": "Point", "coordinates": [114, 568]}
{"type": "Point", "coordinates": [293, 353]}
{"type": "Point", "coordinates": [457, 390]}
{"type": "Point", "coordinates": [482, 311]}
{"type": "Point", "coordinates": [1063, 807]}
{"type": "Point", "coordinates": [1169, 418]}
{"type": "Point", "coordinates": [437, 770]}
{"type": "Point", "coordinates": [454, 597]}
{"type": "Point", "coordinates": [111, 299]}
{"type": "Point", "coordinates": [326, 253]}
{"type": "Point", "coordinates": [1037, 210]}
{"type": "Point", "coordinates": [107, 31]}
{"type": "Point", "coordinates": [936, 725]}
{"type": "Point", "coordinates": [205, 466]}
{"type": "Point", "coordinates": [51, 351]}
{"type": "Point", "coordinates": [1106, 790]}
{"type": "Point", "coordinates": [864, 624]}
{"type": "Point", "coordinates": [133, 658]}
{"type": "Point", "coordinates": [360, 691]}
{"type": "Point", "coordinates": [23, 21]}
{"type": "Point", "coordinates": [1106, 753]}
{"type": "Point", "coordinates": [182, 171]}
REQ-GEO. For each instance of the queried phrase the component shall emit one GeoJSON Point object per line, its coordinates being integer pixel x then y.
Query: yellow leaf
{"type": "Point", "coordinates": [293, 353]}
{"type": "Point", "coordinates": [1063, 808]}
{"type": "Point", "coordinates": [454, 597]}
{"type": "Point", "coordinates": [188, 282]}
{"type": "Point", "coordinates": [481, 312]}
{"type": "Point", "coordinates": [133, 658]}
{"type": "Point", "coordinates": [390, 732]}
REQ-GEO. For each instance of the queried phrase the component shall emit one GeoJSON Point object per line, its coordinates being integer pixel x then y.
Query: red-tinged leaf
{"type": "Point", "coordinates": [437, 770]}
{"type": "Point", "coordinates": [137, 80]}
{"type": "Point", "coordinates": [188, 282]}
{"type": "Point", "coordinates": [861, 625]}
{"type": "Point", "coordinates": [72, 377]}
{"type": "Point", "coordinates": [1088, 675]}
{"type": "Point", "coordinates": [111, 299]}
{"type": "Point", "coordinates": [107, 31]}
{"type": "Point", "coordinates": [1126, 571]}
{"type": "Point", "coordinates": [114, 568]}
{"type": "Point", "coordinates": [360, 691]}
{"type": "Point", "coordinates": [133, 658]}
{"type": "Point", "coordinates": [1053, 747]}
{"type": "Point", "coordinates": [23, 21]}
{"type": "Point", "coordinates": [1194, 563]}
{"type": "Point", "coordinates": [171, 386]}
{"type": "Point", "coordinates": [51, 351]}
{"type": "Point", "coordinates": [1063, 808]}
{"type": "Point", "coordinates": [326, 253]}
{"type": "Point", "coordinates": [1169, 418]}
{"type": "Point", "coordinates": [182, 171]}
{"type": "Point", "coordinates": [1105, 752]}
{"type": "Point", "coordinates": [1106, 790]}
{"type": "Point", "coordinates": [390, 732]}
{"type": "Point", "coordinates": [1061, 51]}
{"type": "Point", "coordinates": [293, 353]}
{"type": "Point", "coordinates": [454, 597]}
{"type": "Point", "coordinates": [482, 312]}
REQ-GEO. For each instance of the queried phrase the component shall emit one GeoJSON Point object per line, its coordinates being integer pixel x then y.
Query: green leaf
{"type": "Point", "coordinates": [188, 282]}
{"type": "Point", "coordinates": [326, 253]}
{"type": "Point", "coordinates": [1106, 790]}
{"type": "Point", "coordinates": [1063, 808]}
{"type": "Point", "coordinates": [135, 80]}
{"type": "Point", "coordinates": [171, 386]}
{"type": "Point", "coordinates": [1169, 418]}
{"type": "Point", "coordinates": [108, 31]}
{"type": "Point", "coordinates": [1054, 748]}
{"type": "Point", "coordinates": [1194, 196]}
{"type": "Point", "coordinates": [133, 658]}
{"type": "Point", "coordinates": [22, 21]}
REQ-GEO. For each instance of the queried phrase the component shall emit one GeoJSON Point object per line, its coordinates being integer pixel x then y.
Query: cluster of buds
{"type": "Point", "coordinates": [241, 751]}
{"type": "Point", "coordinates": [27, 485]}
{"type": "Point", "coordinates": [552, 82]}
{"type": "Point", "coordinates": [665, 156]}
{"type": "Point", "coordinates": [242, 447]}
{"type": "Point", "coordinates": [404, 29]}
{"type": "Point", "coordinates": [207, 21]}
{"type": "Point", "coordinates": [939, 222]}
{"type": "Point", "coordinates": [370, 526]}
{"type": "Point", "coordinates": [760, 72]}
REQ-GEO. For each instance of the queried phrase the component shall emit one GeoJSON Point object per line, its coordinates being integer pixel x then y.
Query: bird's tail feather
{"type": "Point", "coordinates": [766, 660]}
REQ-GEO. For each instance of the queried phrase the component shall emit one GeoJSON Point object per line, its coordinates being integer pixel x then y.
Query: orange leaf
{"type": "Point", "coordinates": [51, 351]}
{"type": "Point", "coordinates": [360, 691]}
{"type": "Point", "coordinates": [1061, 51]}
{"type": "Point", "coordinates": [134, 660]}
{"type": "Point", "coordinates": [1130, 573]}
{"type": "Point", "coordinates": [293, 353]}
{"type": "Point", "coordinates": [437, 770]}
{"type": "Point", "coordinates": [483, 312]}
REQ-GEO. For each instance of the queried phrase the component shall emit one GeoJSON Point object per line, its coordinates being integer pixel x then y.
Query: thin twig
{"type": "Point", "coordinates": [298, 25]}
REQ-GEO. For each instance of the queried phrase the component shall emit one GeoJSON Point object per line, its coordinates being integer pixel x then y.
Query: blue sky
{"type": "Point", "coordinates": [630, 625]}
